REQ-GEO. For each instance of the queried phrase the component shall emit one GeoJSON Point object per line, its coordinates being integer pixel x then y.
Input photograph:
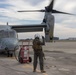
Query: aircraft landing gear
{"type": "Point", "coordinates": [9, 54]}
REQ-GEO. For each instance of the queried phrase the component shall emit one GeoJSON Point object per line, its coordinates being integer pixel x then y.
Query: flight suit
{"type": "Point", "coordinates": [38, 53]}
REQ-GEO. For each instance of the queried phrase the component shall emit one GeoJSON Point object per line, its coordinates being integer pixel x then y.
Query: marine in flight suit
{"type": "Point", "coordinates": [38, 53]}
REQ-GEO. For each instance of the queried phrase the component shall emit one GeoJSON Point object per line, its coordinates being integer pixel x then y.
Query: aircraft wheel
{"type": "Point", "coordinates": [11, 55]}
{"type": "Point", "coordinates": [8, 54]}
{"type": "Point", "coordinates": [30, 59]}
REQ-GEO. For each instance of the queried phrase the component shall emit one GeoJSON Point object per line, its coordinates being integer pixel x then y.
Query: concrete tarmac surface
{"type": "Point", "coordinates": [60, 60]}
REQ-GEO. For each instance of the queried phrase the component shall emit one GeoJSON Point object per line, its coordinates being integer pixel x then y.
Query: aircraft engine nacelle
{"type": "Point", "coordinates": [49, 30]}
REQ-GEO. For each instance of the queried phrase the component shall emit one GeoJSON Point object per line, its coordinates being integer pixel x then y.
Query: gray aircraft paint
{"type": "Point", "coordinates": [49, 30]}
{"type": "Point", "coordinates": [8, 41]}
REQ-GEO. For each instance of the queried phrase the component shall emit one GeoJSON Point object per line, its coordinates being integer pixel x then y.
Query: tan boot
{"type": "Point", "coordinates": [34, 70]}
{"type": "Point", "coordinates": [43, 71]}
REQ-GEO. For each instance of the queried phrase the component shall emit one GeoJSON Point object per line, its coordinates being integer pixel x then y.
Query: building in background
{"type": "Point", "coordinates": [71, 38]}
{"type": "Point", "coordinates": [56, 38]}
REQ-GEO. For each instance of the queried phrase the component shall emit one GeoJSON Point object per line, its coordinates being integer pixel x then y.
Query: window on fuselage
{"type": "Point", "coordinates": [8, 34]}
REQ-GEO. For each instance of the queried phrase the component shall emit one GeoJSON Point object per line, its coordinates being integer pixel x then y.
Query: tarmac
{"type": "Point", "coordinates": [60, 60]}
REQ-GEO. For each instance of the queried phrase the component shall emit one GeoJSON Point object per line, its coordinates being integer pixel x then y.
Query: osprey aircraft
{"type": "Point", "coordinates": [48, 21]}
{"type": "Point", "coordinates": [8, 34]}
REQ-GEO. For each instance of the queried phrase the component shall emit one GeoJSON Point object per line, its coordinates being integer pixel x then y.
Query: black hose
{"type": "Point", "coordinates": [15, 55]}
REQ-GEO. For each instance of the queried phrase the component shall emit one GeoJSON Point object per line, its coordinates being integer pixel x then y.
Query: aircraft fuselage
{"type": "Point", "coordinates": [8, 40]}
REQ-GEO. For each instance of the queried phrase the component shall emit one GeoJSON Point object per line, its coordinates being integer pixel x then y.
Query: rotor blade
{"type": "Point", "coordinates": [51, 5]}
{"type": "Point", "coordinates": [32, 11]}
{"type": "Point", "coordinates": [49, 8]}
{"type": "Point", "coordinates": [55, 11]}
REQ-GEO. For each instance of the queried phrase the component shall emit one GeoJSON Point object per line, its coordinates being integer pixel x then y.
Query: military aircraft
{"type": "Point", "coordinates": [8, 40]}
{"type": "Point", "coordinates": [48, 21]}
{"type": "Point", "coordinates": [8, 34]}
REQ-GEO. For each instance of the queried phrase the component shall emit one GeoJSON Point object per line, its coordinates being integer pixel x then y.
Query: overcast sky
{"type": "Point", "coordinates": [65, 25]}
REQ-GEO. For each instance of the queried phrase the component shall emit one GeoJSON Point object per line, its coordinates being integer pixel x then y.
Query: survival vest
{"type": "Point", "coordinates": [37, 44]}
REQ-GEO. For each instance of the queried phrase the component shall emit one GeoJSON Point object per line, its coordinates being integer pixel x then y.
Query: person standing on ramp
{"type": "Point", "coordinates": [38, 53]}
